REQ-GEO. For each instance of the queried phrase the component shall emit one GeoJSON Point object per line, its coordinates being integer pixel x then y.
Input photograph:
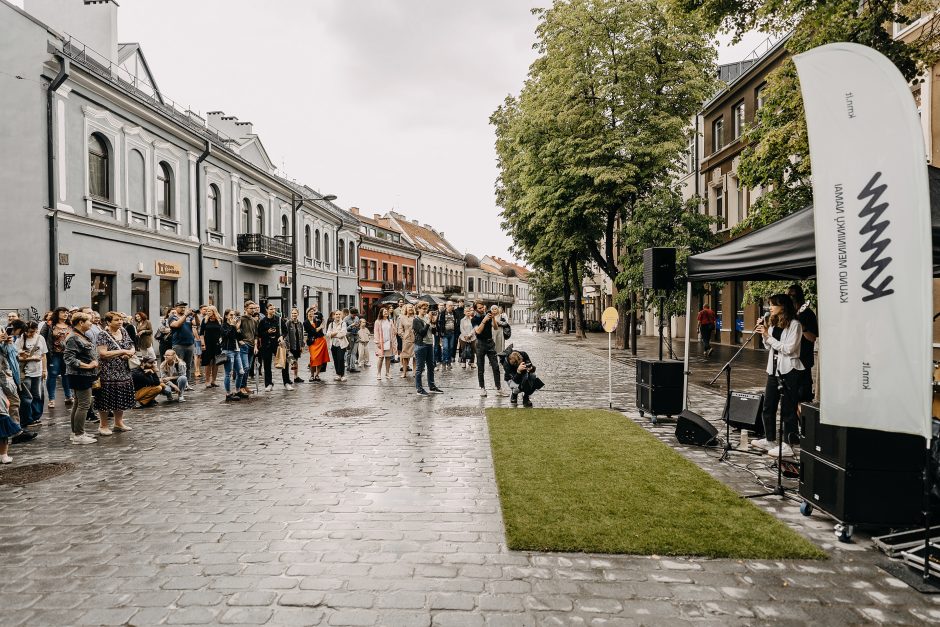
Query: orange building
{"type": "Point", "coordinates": [387, 263]}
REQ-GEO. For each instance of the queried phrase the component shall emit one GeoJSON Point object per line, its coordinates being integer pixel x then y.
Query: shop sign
{"type": "Point", "coordinates": [169, 270]}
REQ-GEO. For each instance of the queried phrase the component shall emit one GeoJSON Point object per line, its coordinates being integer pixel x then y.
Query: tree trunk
{"type": "Point", "coordinates": [633, 319]}
{"type": "Point", "coordinates": [566, 298]}
{"type": "Point", "coordinates": [622, 335]}
{"type": "Point", "coordinates": [578, 307]}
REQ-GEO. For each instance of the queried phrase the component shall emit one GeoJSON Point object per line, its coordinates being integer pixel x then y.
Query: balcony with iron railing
{"type": "Point", "coordinates": [263, 250]}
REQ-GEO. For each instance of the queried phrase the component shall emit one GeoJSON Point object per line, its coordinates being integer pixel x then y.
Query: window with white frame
{"type": "Point", "coordinates": [164, 190]}
{"type": "Point", "coordinates": [99, 167]}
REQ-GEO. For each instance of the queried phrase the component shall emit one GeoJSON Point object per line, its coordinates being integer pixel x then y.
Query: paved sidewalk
{"type": "Point", "coordinates": [360, 503]}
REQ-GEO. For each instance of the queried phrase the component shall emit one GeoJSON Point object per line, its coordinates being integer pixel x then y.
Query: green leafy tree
{"type": "Point", "coordinates": [662, 218]}
{"type": "Point", "coordinates": [600, 121]}
{"type": "Point", "coordinates": [777, 154]}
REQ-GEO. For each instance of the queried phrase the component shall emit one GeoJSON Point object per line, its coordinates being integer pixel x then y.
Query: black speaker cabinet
{"type": "Point", "coordinates": [659, 386]}
{"type": "Point", "coordinates": [659, 373]}
{"type": "Point", "coordinates": [693, 429]}
{"type": "Point", "coordinates": [659, 401]}
{"type": "Point", "coordinates": [859, 449]}
{"type": "Point", "coordinates": [872, 497]}
{"type": "Point", "coordinates": [745, 411]}
{"type": "Point", "coordinates": [659, 268]}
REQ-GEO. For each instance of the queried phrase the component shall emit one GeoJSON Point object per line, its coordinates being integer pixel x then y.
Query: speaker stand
{"type": "Point", "coordinates": [726, 415]}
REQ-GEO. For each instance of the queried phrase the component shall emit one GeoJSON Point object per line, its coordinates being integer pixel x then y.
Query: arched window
{"type": "Point", "coordinates": [307, 241]}
{"type": "Point", "coordinates": [440, 276]}
{"type": "Point", "coordinates": [214, 218]}
{"type": "Point", "coordinates": [259, 220]}
{"type": "Point", "coordinates": [316, 244]}
{"type": "Point", "coordinates": [164, 190]}
{"type": "Point", "coordinates": [99, 167]}
{"type": "Point", "coordinates": [326, 247]}
{"type": "Point", "coordinates": [285, 227]}
{"type": "Point", "coordinates": [351, 261]}
{"type": "Point", "coordinates": [246, 216]}
{"type": "Point", "coordinates": [136, 179]}
{"type": "Point", "coordinates": [340, 253]}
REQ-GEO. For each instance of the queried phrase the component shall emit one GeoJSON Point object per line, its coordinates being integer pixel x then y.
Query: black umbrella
{"type": "Point", "coordinates": [394, 297]}
{"type": "Point", "coordinates": [431, 300]}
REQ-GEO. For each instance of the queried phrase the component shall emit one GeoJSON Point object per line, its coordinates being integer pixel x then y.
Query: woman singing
{"type": "Point", "coordinates": [782, 337]}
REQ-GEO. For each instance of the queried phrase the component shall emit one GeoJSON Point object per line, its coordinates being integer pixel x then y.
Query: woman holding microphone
{"type": "Point", "coordinates": [782, 333]}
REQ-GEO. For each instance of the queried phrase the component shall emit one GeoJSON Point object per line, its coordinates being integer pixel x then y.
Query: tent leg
{"type": "Point", "coordinates": [688, 323]}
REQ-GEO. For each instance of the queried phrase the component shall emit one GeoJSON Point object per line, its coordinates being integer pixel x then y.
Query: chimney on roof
{"type": "Point", "coordinates": [244, 127]}
{"type": "Point", "coordinates": [416, 222]}
{"type": "Point", "coordinates": [93, 23]}
{"type": "Point", "coordinates": [376, 217]}
{"type": "Point", "coordinates": [354, 210]}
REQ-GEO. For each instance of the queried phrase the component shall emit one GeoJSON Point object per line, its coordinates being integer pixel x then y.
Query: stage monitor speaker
{"type": "Point", "coordinates": [873, 497]}
{"type": "Point", "coordinates": [693, 429]}
{"type": "Point", "coordinates": [745, 411]}
{"type": "Point", "coordinates": [659, 401]}
{"type": "Point", "coordinates": [659, 268]}
{"type": "Point", "coordinates": [859, 449]}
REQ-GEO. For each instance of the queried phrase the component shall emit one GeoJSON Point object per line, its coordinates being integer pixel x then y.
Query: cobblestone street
{"type": "Point", "coordinates": [360, 503]}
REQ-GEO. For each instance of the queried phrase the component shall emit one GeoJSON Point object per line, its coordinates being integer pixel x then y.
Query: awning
{"type": "Point", "coordinates": [786, 249]}
{"type": "Point", "coordinates": [431, 300]}
{"type": "Point", "coordinates": [394, 297]}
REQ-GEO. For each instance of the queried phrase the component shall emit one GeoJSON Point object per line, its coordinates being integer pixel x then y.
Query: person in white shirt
{"type": "Point", "coordinates": [782, 334]}
{"type": "Point", "coordinates": [31, 350]}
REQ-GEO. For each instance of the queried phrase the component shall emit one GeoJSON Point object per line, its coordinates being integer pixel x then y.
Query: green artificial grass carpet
{"type": "Point", "coordinates": [593, 481]}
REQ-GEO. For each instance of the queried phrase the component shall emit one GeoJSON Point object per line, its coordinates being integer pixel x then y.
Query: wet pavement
{"type": "Point", "coordinates": [360, 503]}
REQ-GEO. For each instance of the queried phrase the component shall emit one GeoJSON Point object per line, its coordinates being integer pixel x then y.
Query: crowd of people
{"type": "Point", "coordinates": [106, 365]}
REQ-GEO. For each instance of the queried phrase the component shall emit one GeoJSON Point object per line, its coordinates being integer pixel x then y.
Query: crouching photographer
{"type": "Point", "coordinates": [520, 374]}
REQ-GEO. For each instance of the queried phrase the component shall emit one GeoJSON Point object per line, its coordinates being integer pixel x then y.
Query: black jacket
{"type": "Point", "coordinates": [144, 379]}
{"type": "Point", "coordinates": [441, 323]}
{"type": "Point", "coordinates": [269, 332]}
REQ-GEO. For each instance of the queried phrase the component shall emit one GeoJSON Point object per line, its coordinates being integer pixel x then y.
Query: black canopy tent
{"type": "Point", "coordinates": [786, 249]}
{"type": "Point", "coordinates": [782, 251]}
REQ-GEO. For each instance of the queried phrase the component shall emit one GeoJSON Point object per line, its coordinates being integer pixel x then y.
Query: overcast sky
{"type": "Point", "coordinates": [384, 103]}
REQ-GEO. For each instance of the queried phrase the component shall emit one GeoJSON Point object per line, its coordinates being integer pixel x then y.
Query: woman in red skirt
{"type": "Point", "coordinates": [316, 343]}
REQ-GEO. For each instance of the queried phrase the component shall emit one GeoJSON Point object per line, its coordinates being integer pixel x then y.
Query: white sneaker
{"type": "Point", "coordinates": [786, 450]}
{"type": "Point", "coordinates": [269, 388]}
{"type": "Point", "coordinates": [6, 459]}
{"type": "Point", "coordinates": [502, 392]}
{"type": "Point", "coordinates": [82, 439]}
{"type": "Point", "coordinates": [181, 399]}
{"type": "Point", "coordinates": [336, 377]}
{"type": "Point", "coordinates": [763, 444]}
{"type": "Point", "coordinates": [342, 378]}
{"type": "Point", "coordinates": [105, 432]}
{"type": "Point", "coordinates": [483, 392]}
{"type": "Point", "coordinates": [290, 387]}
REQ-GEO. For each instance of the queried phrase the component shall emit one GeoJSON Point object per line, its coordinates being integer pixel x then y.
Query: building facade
{"type": "Point", "coordinates": [440, 266]}
{"type": "Point", "coordinates": [489, 282]}
{"type": "Point", "coordinates": [127, 202]}
{"type": "Point", "coordinates": [388, 264]}
{"type": "Point", "coordinates": [522, 310]}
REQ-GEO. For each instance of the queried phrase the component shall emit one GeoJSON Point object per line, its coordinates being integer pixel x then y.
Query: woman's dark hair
{"type": "Point", "coordinates": [143, 316]}
{"type": "Point", "coordinates": [787, 314]}
{"type": "Point", "coordinates": [32, 325]}
{"type": "Point", "coordinates": [57, 316]}
{"type": "Point", "coordinates": [797, 290]}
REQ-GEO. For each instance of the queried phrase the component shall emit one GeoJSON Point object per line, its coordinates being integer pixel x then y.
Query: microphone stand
{"type": "Point", "coordinates": [726, 414]}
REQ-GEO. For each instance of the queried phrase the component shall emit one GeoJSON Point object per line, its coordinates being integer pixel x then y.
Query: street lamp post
{"type": "Point", "coordinates": [296, 203]}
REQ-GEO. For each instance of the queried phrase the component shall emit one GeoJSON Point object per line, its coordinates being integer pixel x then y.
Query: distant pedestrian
{"type": "Point", "coordinates": [352, 333]}
{"type": "Point", "coordinates": [181, 322]}
{"type": "Point", "coordinates": [31, 348]}
{"type": "Point", "coordinates": [210, 338]}
{"type": "Point", "coordinates": [422, 328]}
{"type": "Point", "coordinates": [706, 328]}
{"type": "Point", "coordinates": [467, 346]}
{"type": "Point", "coordinates": [57, 332]}
{"type": "Point", "coordinates": [144, 334]}
{"type": "Point", "coordinates": [81, 362]}
{"type": "Point", "coordinates": [386, 345]}
{"type": "Point", "coordinates": [448, 325]}
{"type": "Point", "coordinates": [364, 337]}
{"type": "Point", "coordinates": [117, 386]}
{"type": "Point", "coordinates": [336, 336]}
{"type": "Point", "coordinates": [316, 343]}
{"type": "Point", "coordinates": [293, 334]}
{"type": "Point", "coordinates": [406, 334]}
{"type": "Point", "coordinates": [233, 361]}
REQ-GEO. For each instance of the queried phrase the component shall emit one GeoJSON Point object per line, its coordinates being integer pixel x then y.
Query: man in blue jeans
{"type": "Point", "coordinates": [448, 325]}
{"type": "Point", "coordinates": [184, 335]}
{"type": "Point", "coordinates": [248, 344]}
{"type": "Point", "coordinates": [424, 346]}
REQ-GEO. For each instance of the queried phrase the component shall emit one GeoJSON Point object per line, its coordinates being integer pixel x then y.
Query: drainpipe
{"type": "Point", "coordinates": [51, 182]}
{"type": "Point", "coordinates": [199, 233]}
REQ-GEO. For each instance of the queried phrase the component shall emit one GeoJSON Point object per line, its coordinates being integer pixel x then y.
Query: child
{"type": "Point", "coordinates": [364, 338]}
{"type": "Point", "coordinates": [8, 428]}
{"type": "Point", "coordinates": [520, 373]}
